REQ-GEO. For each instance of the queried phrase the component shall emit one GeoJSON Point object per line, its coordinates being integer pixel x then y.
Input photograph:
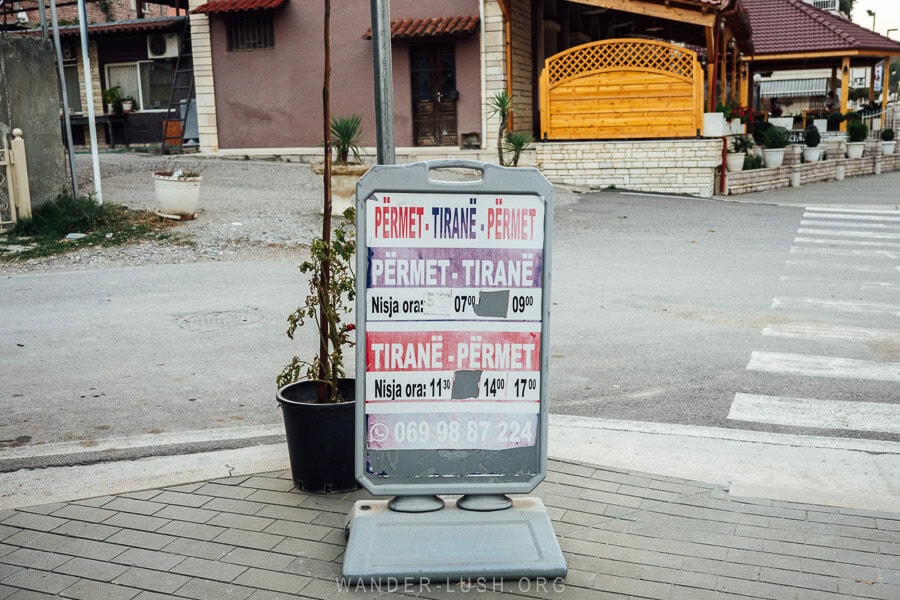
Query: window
{"type": "Point", "coordinates": [148, 82]}
{"type": "Point", "coordinates": [73, 91]}
{"type": "Point", "coordinates": [250, 31]}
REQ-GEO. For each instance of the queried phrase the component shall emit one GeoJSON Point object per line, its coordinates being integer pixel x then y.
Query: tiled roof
{"type": "Point", "coordinates": [431, 27]}
{"type": "Point", "coordinates": [217, 7]}
{"type": "Point", "coordinates": [788, 26]}
{"type": "Point", "coordinates": [116, 27]}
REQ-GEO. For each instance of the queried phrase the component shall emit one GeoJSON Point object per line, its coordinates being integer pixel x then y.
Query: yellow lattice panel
{"type": "Point", "coordinates": [625, 88]}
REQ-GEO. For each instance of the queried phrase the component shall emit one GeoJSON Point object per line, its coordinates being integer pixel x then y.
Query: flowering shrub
{"type": "Point", "coordinates": [735, 111]}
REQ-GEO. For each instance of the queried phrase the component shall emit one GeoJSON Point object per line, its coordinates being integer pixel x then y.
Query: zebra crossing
{"type": "Point", "coordinates": [834, 330]}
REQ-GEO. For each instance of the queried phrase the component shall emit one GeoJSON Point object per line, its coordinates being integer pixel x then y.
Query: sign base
{"type": "Point", "coordinates": [451, 544]}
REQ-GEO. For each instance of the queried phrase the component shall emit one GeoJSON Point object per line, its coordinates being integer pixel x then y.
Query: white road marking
{"type": "Point", "coordinates": [841, 252]}
{"type": "Point", "coordinates": [867, 211]}
{"type": "Point", "coordinates": [822, 414]}
{"type": "Point", "coordinates": [816, 264]}
{"type": "Point", "coordinates": [810, 365]}
{"type": "Point", "coordinates": [836, 305]}
{"type": "Point", "coordinates": [861, 285]}
{"type": "Point", "coordinates": [828, 332]}
{"type": "Point", "coordinates": [849, 217]}
{"type": "Point", "coordinates": [874, 235]}
{"type": "Point", "coordinates": [878, 226]}
{"type": "Point", "coordinates": [806, 240]}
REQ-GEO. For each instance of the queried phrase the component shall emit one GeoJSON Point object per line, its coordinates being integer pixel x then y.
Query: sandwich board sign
{"type": "Point", "coordinates": [453, 285]}
{"type": "Point", "coordinates": [453, 302]}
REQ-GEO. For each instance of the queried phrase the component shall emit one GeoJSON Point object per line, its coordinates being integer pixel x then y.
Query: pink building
{"type": "Point", "coordinates": [267, 60]}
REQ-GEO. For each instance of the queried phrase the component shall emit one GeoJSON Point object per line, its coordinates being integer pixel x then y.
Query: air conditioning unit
{"type": "Point", "coordinates": [69, 51]}
{"type": "Point", "coordinates": [162, 45]}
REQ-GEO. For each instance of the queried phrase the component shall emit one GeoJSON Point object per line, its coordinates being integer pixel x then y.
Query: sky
{"type": "Point", "coordinates": [887, 16]}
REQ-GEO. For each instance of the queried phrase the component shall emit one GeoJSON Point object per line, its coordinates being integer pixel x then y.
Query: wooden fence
{"type": "Point", "coordinates": [621, 89]}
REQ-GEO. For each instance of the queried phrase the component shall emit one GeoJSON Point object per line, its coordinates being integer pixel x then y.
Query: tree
{"type": "Point", "coordinates": [846, 7]}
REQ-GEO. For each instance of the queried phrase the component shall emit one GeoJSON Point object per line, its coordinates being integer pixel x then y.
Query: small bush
{"type": "Point", "coordinates": [834, 121]}
{"type": "Point", "coordinates": [66, 214]}
{"type": "Point", "coordinates": [776, 137]}
{"type": "Point", "coordinates": [857, 131]}
{"type": "Point", "coordinates": [887, 135]}
{"type": "Point", "coordinates": [752, 162]}
{"type": "Point", "coordinates": [45, 233]}
{"type": "Point", "coordinates": [759, 130]}
{"type": "Point", "coordinates": [811, 136]}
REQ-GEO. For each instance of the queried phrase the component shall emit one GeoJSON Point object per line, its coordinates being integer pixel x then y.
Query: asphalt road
{"type": "Point", "coordinates": [665, 310]}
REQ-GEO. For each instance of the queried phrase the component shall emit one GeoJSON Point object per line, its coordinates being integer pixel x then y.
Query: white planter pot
{"type": "Point", "coordinates": [855, 149]}
{"type": "Point", "coordinates": [343, 184]}
{"type": "Point", "coordinates": [734, 161]}
{"type": "Point", "coordinates": [736, 126]}
{"type": "Point", "coordinates": [177, 196]}
{"type": "Point", "coordinates": [773, 157]}
{"type": "Point", "coordinates": [786, 122]}
{"type": "Point", "coordinates": [713, 124]}
{"type": "Point", "coordinates": [812, 154]}
{"type": "Point", "coordinates": [888, 147]}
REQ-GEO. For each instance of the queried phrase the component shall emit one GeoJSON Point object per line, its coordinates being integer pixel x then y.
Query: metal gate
{"type": "Point", "coordinates": [7, 212]}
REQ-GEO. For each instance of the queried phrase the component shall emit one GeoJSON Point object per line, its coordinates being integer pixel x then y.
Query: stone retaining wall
{"type": "Point", "coordinates": [795, 173]}
{"type": "Point", "coordinates": [678, 166]}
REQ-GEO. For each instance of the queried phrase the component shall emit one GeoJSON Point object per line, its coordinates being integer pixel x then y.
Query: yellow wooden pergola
{"type": "Point", "coordinates": [715, 31]}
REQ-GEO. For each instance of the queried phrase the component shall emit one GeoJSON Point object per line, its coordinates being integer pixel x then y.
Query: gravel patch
{"type": "Point", "coordinates": [249, 210]}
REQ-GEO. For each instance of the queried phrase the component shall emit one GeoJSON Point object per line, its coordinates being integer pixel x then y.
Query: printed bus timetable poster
{"type": "Point", "coordinates": [454, 314]}
{"type": "Point", "coordinates": [453, 388]}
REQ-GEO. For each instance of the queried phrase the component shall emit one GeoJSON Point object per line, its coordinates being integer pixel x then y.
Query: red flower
{"type": "Point", "coordinates": [351, 327]}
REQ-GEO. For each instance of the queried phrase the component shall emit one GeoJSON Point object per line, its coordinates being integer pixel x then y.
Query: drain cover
{"type": "Point", "coordinates": [208, 321]}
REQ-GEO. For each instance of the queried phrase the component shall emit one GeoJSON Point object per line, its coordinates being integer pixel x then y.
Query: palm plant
{"type": "Point", "coordinates": [515, 143]}
{"type": "Point", "coordinates": [345, 132]}
{"type": "Point", "coordinates": [501, 105]}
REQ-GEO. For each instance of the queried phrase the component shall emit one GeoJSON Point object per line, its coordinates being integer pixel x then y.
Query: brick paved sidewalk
{"type": "Point", "coordinates": [624, 535]}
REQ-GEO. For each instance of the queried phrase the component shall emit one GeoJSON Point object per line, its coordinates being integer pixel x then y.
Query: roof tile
{"type": "Point", "coordinates": [231, 6]}
{"type": "Point", "coordinates": [431, 27]}
{"type": "Point", "coordinates": [784, 26]}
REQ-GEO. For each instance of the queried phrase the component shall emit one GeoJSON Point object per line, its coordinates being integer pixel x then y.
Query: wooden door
{"type": "Point", "coordinates": [434, 94]}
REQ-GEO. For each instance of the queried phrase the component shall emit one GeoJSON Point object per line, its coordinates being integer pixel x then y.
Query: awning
{"type": "Point", "coordinates": [793, 88]}
{"type": "Point", "coordinates": [218, 7]}
{"type": "Point", "coordinates": [431, 27]}
{"type": "Point", "coordinates": [114, 28]}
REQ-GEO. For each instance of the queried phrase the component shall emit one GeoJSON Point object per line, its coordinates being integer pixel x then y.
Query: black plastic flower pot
{"type": "Point", "coordinates": [320, 437]}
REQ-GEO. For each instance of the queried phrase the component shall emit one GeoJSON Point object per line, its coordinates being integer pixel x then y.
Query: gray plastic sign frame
{"type": "Point", "coordinates": [394, 469]}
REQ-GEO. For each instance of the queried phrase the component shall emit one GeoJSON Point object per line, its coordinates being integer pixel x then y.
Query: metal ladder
{"type": "Point", "coordinates": [173, 122]}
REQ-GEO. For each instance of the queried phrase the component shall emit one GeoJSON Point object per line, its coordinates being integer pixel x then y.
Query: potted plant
{"type": "Point", "coordinates": [775, 140]}
{"type": "Point", "coordinates": [515, 143]}
{"type": "Point", "coordinates": [177, 191]}
{"type": "Point", "coordinates": [812, 152]}
{"type": "Point", "coordinates": [316, 399]}
{"type": "Point", "coordinates": [501, 105]}
{"type": "Point", "coordinates": [887, 141]}
{"type": "Point", "coordinates": [857, 132]}
{"type": "Point", "coordinates": [737, 151]}
{"type": "Point", "coordinates": [345, 136]}
{"type": "Point", "coordinates": [128, 103]}
{"type": "Point", "coordinates": [112, 97]}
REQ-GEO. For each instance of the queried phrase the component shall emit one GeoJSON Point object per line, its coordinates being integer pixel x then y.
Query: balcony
{"type": "Point", "coordinates": [830, 5]}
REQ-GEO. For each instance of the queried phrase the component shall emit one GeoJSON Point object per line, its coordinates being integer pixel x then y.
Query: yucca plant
{"type": "Point", "coordinates": [345, 132]}
{"type": "Point", "coordinates": [515, 143]}
{"type": "Point", "coordinates": [501, 105]}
